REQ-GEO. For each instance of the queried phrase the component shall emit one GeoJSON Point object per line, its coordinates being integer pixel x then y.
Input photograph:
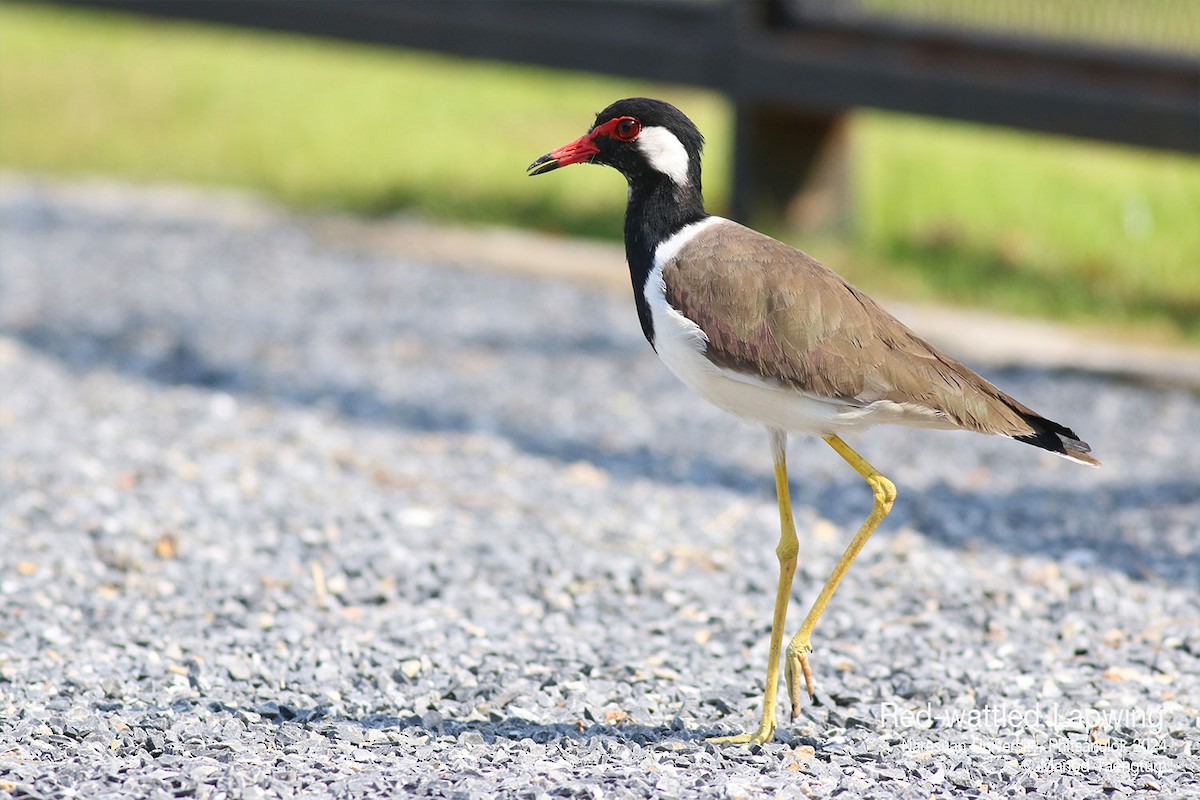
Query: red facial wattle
{"type": "Point", "coordinates": [624, 129]}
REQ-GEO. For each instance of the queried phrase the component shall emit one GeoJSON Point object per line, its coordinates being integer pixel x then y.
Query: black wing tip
{"type": "Point", "coordinates": [1058, 439]}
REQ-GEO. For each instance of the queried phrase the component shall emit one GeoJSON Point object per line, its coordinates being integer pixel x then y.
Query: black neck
{"type": "Point", "coordinates": [658, 209]}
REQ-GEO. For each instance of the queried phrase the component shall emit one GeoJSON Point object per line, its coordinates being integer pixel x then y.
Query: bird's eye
{"type": "Point", "coordinates": [627, 129]}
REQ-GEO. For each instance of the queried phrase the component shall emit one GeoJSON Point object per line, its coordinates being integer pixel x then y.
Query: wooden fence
{"type": "Point", "coordinates": [791, 70]}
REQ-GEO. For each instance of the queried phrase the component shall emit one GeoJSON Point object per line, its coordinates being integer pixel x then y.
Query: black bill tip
{"type": "Point", "coordinates": [543, 165]}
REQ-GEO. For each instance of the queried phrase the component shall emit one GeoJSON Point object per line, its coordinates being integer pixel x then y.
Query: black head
{"type": "Point", "coordinates": [641, 138]}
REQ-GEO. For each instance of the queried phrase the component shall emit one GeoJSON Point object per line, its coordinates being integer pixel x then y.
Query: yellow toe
{"type": "Point", "coordinates": [764, 734]}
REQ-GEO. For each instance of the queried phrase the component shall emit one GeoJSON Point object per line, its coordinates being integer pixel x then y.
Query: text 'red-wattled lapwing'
{"type": "Point", "coordinates": [770, 334]}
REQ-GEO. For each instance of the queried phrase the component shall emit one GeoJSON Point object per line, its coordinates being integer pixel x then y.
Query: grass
{"type": "Point", "coordinates": [1102, 235]}
{"type": "Point", "coordinates": [1169, 25]}
{"type": "Point", "coordinates": [1080, 230]}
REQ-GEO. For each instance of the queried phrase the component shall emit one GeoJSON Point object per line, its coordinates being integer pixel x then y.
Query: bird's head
{"type": "Point", "coordinates": [639, 137]}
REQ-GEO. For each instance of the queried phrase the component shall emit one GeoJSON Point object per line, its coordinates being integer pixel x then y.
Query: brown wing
{"type": "Point", "coordinates": [774, 312]}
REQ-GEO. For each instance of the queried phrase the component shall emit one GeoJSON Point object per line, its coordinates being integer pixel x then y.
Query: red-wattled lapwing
{"type": "Point", "coordinates": [770, 334]}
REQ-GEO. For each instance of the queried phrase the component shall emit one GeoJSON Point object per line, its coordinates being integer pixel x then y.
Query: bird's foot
{"type": "Point", "coordinates": [796, 664]}
{"type": "Point", "coordinates": [764, 734]}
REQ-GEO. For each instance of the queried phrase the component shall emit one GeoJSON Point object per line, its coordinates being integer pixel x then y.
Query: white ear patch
{"type": "Point", "coordinates": [665, 153]}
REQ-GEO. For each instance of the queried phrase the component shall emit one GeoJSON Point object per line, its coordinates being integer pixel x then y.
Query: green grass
{"type": "Point", "coordinates": [1103, 235]}
{"type": "Point", "coordinates": [1073, 229]}
{"type": "Point", "coordinates": [1170, 25]}
{"type": "Point", "coordinates": [313, 122]}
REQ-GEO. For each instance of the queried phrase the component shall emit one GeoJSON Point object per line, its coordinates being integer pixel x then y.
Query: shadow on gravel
{"type": "Point", "coordinates": [1047, 522]}
{"type": "Point", "coordinates": [517, 729]}
{"type": "Point", "coordinates": [1081, 526]}
{"type": "Point", "coordinates": [513, 728]}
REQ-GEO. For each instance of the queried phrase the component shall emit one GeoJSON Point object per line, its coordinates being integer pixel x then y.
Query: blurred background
{"type": "Point", "coordinates": [1100, 233]}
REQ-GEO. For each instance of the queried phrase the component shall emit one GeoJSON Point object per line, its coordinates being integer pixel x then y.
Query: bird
{"type": "Point", "coordinates": [769, 334]}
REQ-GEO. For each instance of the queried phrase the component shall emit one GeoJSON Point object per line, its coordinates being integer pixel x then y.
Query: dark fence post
{"type": "Point", "coordinates": [791, 166]}
{"type": "Point", "coordinates": [791, 169]}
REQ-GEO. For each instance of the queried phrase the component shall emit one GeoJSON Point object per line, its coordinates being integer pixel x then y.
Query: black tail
{"type": "Point", "coordinates": [1058, 439]}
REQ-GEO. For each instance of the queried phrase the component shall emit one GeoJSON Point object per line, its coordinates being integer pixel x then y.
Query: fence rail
{"type": "Point", "coordinates": [790, 72]}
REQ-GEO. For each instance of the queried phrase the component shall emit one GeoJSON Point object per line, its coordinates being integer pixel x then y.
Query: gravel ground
{"type": "Point", "coordinates": [280, 520]}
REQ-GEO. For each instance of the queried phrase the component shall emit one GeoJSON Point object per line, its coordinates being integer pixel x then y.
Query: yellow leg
{"type": "Point", "coordinates": [786, 551]}
{"type": "Point", "coordinates": [799, 648]}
